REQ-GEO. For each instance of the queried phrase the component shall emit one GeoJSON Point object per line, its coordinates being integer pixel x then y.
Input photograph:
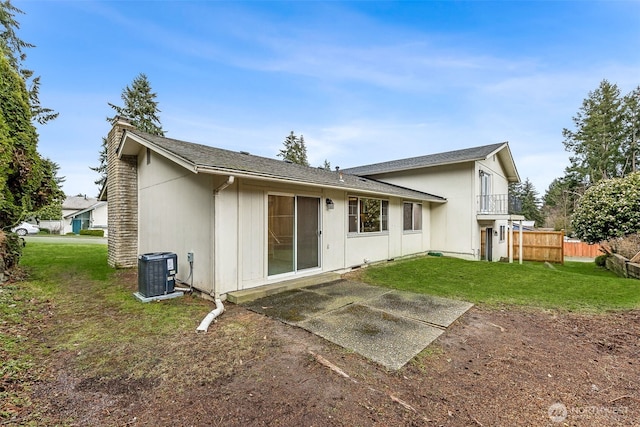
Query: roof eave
{"type": "Point", "coordinates": [505, 155]}
{"type": "Point", "coordinates": [285, 180]}
{"type": "Point", "coordinates": [131, 143]}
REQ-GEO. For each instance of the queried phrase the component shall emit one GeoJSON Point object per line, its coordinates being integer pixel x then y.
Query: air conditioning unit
{"type": "Point", "coordinates": [156, 273]}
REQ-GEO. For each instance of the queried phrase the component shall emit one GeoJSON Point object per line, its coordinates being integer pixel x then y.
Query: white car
{"type": "Point", "coordinates": [25, 228]}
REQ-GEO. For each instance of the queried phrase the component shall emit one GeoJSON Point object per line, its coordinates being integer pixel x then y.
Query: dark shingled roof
{"type": "Point", "coordinates": [450, 157]}
{"type": "Point", "coordinates": [209, 159]}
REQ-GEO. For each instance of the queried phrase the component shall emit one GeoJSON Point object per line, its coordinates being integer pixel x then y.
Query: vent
{"type": "Point", "coordinates": [156, 273]}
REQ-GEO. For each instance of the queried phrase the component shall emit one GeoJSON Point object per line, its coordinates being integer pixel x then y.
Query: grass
{"type": "Point", "coordinates": [574, 286]}
{"type": "Point", "coordinates": [74, 307]}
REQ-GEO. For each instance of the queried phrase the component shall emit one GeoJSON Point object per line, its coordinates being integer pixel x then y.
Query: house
{"type": "Point", "coordinates": [79, 213]}
{"type": "Point", "coordinates": [92, 217]}
{"type": "Point", "coordinates": [247, 221]}
{"type": "Point", "coordinates": [476, 219]}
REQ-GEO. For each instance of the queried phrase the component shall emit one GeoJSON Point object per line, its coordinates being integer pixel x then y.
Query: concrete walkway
{"type": "Point", "coordinates": [89, 240]}
{"type": "Point", "coordinates": [387, 326]}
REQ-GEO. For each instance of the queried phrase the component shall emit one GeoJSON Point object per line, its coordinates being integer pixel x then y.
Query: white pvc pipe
{"type": "Point", "coordinates": [204, 325]}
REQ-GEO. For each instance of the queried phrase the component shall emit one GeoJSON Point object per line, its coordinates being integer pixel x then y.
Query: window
{"type": "Point", "coordinates": [368, 215]}
{"type": "Point", "coordinates": [412, 215]}
{"type": "Point", "coordinates": [485, 192]}
{"type": "Point", "coordinates": [503, 233]}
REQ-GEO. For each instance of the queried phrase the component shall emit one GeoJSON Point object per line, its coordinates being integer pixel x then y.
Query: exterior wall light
{"type": "Point", "coordinates": [330, 204]}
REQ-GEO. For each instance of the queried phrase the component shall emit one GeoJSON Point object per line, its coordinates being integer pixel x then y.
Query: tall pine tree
{"type": "Point", "coordinates": [294, 150]}
{"type": "Point", "coordinates": [631, 121]}
{"type": "Point", "coordinates": [597, 140]}
{"type": "Point", "coordinates": [141, 108]}
{"type": "Point", "coordinates": [14, 48]}
{"type": "Point", "coordinates": [526, 193]}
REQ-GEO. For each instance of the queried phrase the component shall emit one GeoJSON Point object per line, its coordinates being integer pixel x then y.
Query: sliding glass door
{"type": "Point", "coordinates": [294, 233]}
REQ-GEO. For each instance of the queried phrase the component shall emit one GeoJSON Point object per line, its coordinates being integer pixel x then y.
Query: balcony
{"type": "Point", "coordinates": [498, 204]}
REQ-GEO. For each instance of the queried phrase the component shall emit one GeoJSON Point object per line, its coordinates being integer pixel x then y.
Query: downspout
{"type": "Point", "coordinates": [204, 325]}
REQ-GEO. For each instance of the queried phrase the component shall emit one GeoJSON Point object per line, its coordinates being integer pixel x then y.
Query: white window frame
{"type": "Point", "coordinates": [416, 217]}
{"type": "Point", "coordinates": [356, 215]}
{"type": "Point", "coordinates": [485, 191]}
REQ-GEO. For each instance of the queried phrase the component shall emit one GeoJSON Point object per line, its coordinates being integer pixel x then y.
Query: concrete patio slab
{"type": "Point", "coordinates": [293, 306]}
{"type": "Point", "coordinates": [426, 308]}
{"type": "Point", "coordinates": [353, 291]}
{"type": "Point", "coordinates": [377, 335]}
{"type": "Point", "coordinates": [387, 326]}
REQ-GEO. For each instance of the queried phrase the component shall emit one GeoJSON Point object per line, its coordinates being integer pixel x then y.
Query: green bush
{"type": "Point", "coordinates": [98, 233]}
{"type": "Point", "coordinates": [44, 231]}
{"type": "Point", "coordinates": [601, 260]}
{"type": "Point", "coordinates": [10, 249]}
{"type": "Point", "coordinates": [609, 209]}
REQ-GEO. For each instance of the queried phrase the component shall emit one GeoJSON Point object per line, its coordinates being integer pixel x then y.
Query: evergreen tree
{"type": "Point", "coordinates": [597, 141]}
{"type": "Point", "coordinates": [559, 202]}
{"type": "Point", "coordinates": [13, 47]}
{"type": "Point", "coordinates": [102, 166]}
{"type": "Point", "coordinates": [529, 202]}
{"type": "Point", "coordinates": [294, 150]}
{"type": "Point", "coordinates": [631, 121]}
{"type": "Point", "coordinates": [54, 209]}
{"type": "Point", "coordinates": [141, 108]}
{"type": "Point", "coordinates": [27, 181]}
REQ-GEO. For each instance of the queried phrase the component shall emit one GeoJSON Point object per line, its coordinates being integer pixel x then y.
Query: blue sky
{"type": "Point", "coordinates": [363, 81]}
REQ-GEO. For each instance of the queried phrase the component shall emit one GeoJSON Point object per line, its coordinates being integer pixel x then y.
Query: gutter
{"type": "Point", "coordinates": [204, 325]}
{"type": "Point", "coordinates": [343, 187]}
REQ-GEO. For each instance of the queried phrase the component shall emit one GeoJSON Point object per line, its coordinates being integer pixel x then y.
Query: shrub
{"type": "Point", "coordinates": [98, 233]}
{"type": "Point", "coordinates": [45, 231]}
{"type": "Point", "coordinates": [609, 209]}
{"type": "Point", "coordinates": [601, 260]}
{"type": "Point", "coordinates": [10, 250]}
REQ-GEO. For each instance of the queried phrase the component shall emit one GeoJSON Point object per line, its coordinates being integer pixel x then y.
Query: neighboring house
{"type": "Point", "coordinates": [93, 217]}
{"type": "Point", "coordinates": [79, 213]}
{"type": "Point", "coordinates": [526, 226]}
{"type": "Point", "coordinates": [251, 221]}
{"type": "Point", "coordinates": [476, 219]}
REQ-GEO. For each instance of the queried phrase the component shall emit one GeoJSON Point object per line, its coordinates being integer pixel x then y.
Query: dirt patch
{"type": "Point", "coordinates": [490, 368]}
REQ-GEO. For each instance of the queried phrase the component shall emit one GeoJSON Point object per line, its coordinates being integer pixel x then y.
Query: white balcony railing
{"type": "Point", "coordinates": [498, 204]}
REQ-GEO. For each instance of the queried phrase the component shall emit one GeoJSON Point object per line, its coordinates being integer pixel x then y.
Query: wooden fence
{"type": "Point", "coordinates": [539, 246]}
{"type": "Point", "coordinates": [581, 250]}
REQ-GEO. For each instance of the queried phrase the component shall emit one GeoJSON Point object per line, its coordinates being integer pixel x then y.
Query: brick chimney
{"type": "Point", "coordinates": [122, 193]}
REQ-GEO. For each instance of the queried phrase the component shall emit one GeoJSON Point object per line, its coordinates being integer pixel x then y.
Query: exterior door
{"type": "Point", "coordinates": [293, 234]}
{"type": "Point", "coordinates": [307, 232]}
{"type": "Point", "coordinates": [485, 192]}
{"type": "Point", "coordinates": [488, 246]}
{"type": "Point", "coordinates": [76, 225]}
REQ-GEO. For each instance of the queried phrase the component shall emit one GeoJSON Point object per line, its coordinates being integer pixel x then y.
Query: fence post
{"type": "Point", "coordinates": [520, 241]}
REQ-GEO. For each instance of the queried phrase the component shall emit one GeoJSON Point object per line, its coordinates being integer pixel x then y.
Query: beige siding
{"type": "Point", "coordinates": [175, 216]}
{"type": "Point", "coordinates": [252, 235]}
{"type": "Point", "coordinates": [452, 224]}
{"type": "Point", "coordinates": [227, 227]}
{"type": "Point", "coordinates": [334, 230]}
{"type": "Point", "coordinates": [396, 238]}
{"type": "Point", "coordinates": [367, 247]}
{"type": "Point", "coordinates": [185, 223]}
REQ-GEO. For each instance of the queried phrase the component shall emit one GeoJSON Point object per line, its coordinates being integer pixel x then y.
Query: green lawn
{"type": "Point", "coordinates": [573, 286]}
{"type": "Point", "coordinates": [72, 302]}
